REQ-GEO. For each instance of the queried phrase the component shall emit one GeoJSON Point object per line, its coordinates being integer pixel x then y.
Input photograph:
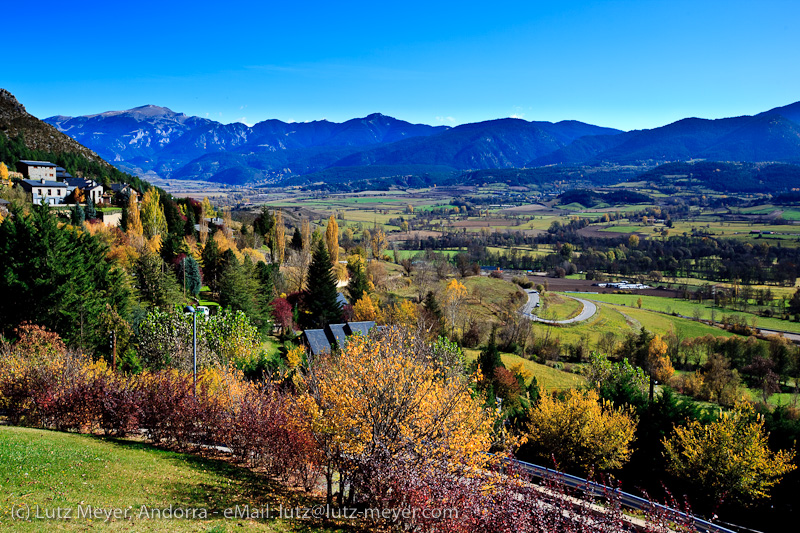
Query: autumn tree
{"type": "Point", "coordinates": [332, 239]}
{"type": "Point", "coordinates": [3, 174]}
{"type": "Point", "coordinates": [278, 239]}
{"type": "Point", "coordinates": [730, 458]}
{"type": "Point", "coordinates": [154, 223]}
{"type": "Point", "coordinates": [378, 242]}
{"type": "Point", "coordinates": [364, 309]}
{"type": "Point", "coordinates": [454, 296]}
{"type": "Point", "coordinates": [133, 225]}
{"type": "Point", "coordinates": [658, 366]}
{"type": "Point", "coordinates": [389, 402]}
{"type": "Point", "coordinates": [581, 431]}
{"type": "Point", "coordinates": [305, 234]}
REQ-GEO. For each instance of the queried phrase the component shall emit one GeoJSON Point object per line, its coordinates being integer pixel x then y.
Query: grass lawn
{"type": "Point", "coordinates": [556, 306]}
{"type": "Point", "coordinates": [64, 470]}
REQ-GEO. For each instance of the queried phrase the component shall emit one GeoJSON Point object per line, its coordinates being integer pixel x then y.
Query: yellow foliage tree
{"type": "Point", "coordinates": [729, 457]}
{"type": "Point", "coordinates": [279, 239]}
{"type": "Point", "coordinates": [332, 239]}
{"type": "Point", "coordinates": [658, 366]}
{"type": "Point", "coordinates": [403, 314]}
{"type": "Point", "coordinates": [582, 431]}
{"type": "Point", "coordinates": [78, 195]}
{"type": "Point", "coordinates": [305, 233]}
{"type": "Point", "coordinates": [379, 243]}
{"type": "Point", "coordinates": [153, 220]}
{"type": "Point", "coordinates": [365, 309]}
{"type": "Point", "coordinates": [454, 296]}
{"type": "Point", "coordinates": [387, 398]}
{"type": "Point", "coordinates": [3, 173]}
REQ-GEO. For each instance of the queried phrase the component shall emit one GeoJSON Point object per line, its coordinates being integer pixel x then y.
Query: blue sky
{"type": "Point", "coordinates": [625, 64]}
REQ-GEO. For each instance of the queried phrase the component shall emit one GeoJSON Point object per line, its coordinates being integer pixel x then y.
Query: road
{"type": "Point", "coordinates": [589, 309]}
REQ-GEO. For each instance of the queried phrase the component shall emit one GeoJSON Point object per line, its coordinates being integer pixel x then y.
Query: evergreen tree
{"type": "Point", "coordinates": [58, 278]}
{"type": "Point", "coordinates": [264, 222]}
{"type": "Point", "coordinates": [155, 281]}
{"type": "Point", "coordinates": [297, 240]}
{"type": "Point", "coordinates": [77, 215]}
{"type": "Point", "coordinates": [212, 263]}
{"type": "Point", "coordinates": [90, 211]}
{"type": "Point", "coordinates": [188, 226]}
{"type": "Point", "coordinates": [489, 359]}
{"type": "Point", "coordinates": [190, 269]}
{"type": "Point", "coordinates": [358, 284]}
{"type": "Point", "coordinates": [240, 290]}
{"type": "Point", "coordinates": [321, 298]}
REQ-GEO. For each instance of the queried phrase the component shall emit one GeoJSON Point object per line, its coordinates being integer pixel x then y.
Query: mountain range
{"type": "Point", "coordinates": [152, 140]}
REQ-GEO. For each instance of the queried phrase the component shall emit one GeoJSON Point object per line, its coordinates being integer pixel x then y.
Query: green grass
{"type": "Point", "coordinates": [556, 306]}
{"type": "Point", "coordinates": [686, 308]}
{"type": "Point", "coordinates": [64, 470]}
{"type": "Point", "coordinates": [624, 229]}
{"type": "Point", "coordinates": [548, 378]}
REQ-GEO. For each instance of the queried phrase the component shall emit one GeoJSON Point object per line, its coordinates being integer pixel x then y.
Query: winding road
{"type": "Point", "coordinates": [589, 309]}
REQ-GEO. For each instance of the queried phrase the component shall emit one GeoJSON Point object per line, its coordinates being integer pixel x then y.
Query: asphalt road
{"type": "Point", "coordinates": [589, 309]}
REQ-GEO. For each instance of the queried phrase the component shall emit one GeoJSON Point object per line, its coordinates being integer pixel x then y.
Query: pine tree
{"type": "Point", "coordinates": [321, 298]}
{"type": "Point", "coordinates": [77, 215]}
{"type": "Point", "coordinates": [297, 240]}
{"type": "Point", "coordinates": [191, 270]}
{"type": "Point", "coordinates": [358, 284]}
{"type": "Point", "coordinates": [91, 212]}
{"type": "Point", "coordinates": [57, 278]}
{"type": "Point", "coordinates": [240, 290]}
{"type": "Point", "coordinates": [489, 359]}
{"type": "Point", "coordinates": [212, 264]}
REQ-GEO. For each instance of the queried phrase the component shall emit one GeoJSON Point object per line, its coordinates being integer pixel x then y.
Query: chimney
{"type": "Point", "coordinates": [42, 181]}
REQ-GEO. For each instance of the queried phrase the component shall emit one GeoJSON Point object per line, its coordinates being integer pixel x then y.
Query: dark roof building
{"type": "Point", "coordinates": [334, 335]}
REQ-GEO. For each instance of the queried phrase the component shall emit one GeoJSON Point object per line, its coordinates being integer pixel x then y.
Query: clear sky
{"type": "Point", "coordinates": [628, 64]}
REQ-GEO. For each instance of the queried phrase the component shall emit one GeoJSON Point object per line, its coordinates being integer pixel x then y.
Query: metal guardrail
{"type": "Point", "coordinates": [627, 500]}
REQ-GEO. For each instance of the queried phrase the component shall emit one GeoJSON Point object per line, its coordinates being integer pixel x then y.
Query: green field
{"type": "Point", "coordinates": [64, 470]}
{"type": "Point", "coordinates": [548, 378]}
{"type": "Point", "coordinates": [687, 308]}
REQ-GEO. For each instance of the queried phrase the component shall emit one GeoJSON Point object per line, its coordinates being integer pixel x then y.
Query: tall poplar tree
{"type": "Point", "coordinates": [332, 239]}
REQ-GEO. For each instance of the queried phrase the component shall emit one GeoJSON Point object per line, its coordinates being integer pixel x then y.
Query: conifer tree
{"type": "Point", "coordinates": [77, 215]}
{"type": "Point", "coordinates": [212, 264]}
{"type": "Point", "coordinates": [57, 278]}
{"type": "Point", "coordinates": [91, 212]}
{"type": "Point", "coordinates": [358, 284]}
{"type": "Point", "coordinates": [321, 298]}
{"type": "Point", "coordinates": [191, 270]}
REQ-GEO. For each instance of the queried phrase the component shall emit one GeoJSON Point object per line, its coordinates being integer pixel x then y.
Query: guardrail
{"type": "Point", "coordinates": [627, 500]}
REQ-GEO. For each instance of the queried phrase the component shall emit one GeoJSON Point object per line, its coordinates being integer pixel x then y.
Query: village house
{"type": "Point", "coordinates": [37, 170]}
{"type": "Point", "coordinates": [52, 192]}
{"type": "Point", "coordinates": [91, 189]}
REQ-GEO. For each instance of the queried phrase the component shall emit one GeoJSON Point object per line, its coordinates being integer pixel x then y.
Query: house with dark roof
{"type": "Point", "coordinates": [333, 336]}
{"type": "Point", "coordinates": [91, 189]}
{"type": "Point", "coordinates": [52, 192]}
{"type": "Point", "coordinates": [37, 170]}
{"type": "Point", "coordinates": [62, 174]}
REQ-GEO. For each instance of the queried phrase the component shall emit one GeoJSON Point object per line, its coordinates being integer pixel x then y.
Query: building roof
{"type": "Point", "coordinates": [117, 187]}
{"type": "Point", "coordinates": [317, 341]}
{"type": "Point", "coordinates": [338, 334]}
{"type": "Point", "coordinates": [40, 183]}
{"type": "Point", "coordinates": [83, 183]}
{"type": "Point", "coordinates": [360, 327]}
{"type": "Point", "coordinates": [31, 163]}
{"type": "Point", "coordinates": [341, 299]}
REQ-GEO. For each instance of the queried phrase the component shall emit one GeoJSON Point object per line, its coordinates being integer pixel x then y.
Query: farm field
{"type": "Point", "coordinates": [548, 378]}
{"type": "Point", "coordinates": [686, 308]}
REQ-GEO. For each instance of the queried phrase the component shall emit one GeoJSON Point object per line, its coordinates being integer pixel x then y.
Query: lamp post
{"type": "Point", "coordinates": [190, 309]}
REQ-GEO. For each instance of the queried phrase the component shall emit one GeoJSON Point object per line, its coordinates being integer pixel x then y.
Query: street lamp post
{"type": "Point", "coordinates": [190, 309]}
